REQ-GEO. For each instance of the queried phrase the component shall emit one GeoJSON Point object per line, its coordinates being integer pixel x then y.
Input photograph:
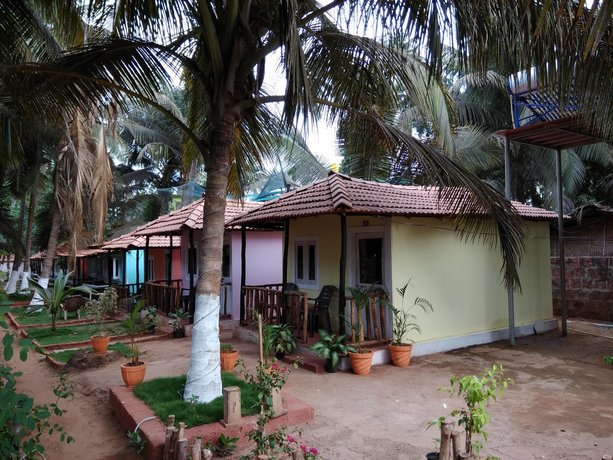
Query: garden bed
{"type": "Point", "coordinates": [130, 410]}
{"type": "Point", "coordinates": [60, 359]}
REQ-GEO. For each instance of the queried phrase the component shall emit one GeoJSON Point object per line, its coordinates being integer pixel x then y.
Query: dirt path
{"type": "Point", "coordinates": [559, 408]}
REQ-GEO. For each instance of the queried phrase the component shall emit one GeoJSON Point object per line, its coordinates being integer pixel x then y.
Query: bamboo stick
{"type": "Point", "coordinates": [456, 443]}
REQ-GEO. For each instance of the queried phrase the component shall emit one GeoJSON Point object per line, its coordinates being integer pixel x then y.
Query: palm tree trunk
{"type": "Point", "coordinates": [54, 234]}
{"type": "Point", "coordinates": [204, 374]}
{"type": "Point", "coordinates": [28, 241]}
{"type": "Point", "coordinates": [11, 286]}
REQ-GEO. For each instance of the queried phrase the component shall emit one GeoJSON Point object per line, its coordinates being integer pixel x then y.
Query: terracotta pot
{"type": "Point", "coordinates": [100, 344]}
{"type": "Point", "coordinates": [228, 360]}
{"type": "Point", "coordinates": [401, 354]}
{"type": "Point", "coordinates": [361, 362]}
{"type": "Point", "coordinates": [133, 375]}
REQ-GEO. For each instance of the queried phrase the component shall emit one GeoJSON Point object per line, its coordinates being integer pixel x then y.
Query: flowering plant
{"type": "Point", "coordinates": [296, 448]}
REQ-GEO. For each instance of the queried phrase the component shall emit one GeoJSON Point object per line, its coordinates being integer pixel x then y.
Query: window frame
{"type": "Point", "coordinates": [305, 242]}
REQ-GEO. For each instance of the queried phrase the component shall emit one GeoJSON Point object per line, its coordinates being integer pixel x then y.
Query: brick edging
{"type": "Point", "coordinates": [130, 410]}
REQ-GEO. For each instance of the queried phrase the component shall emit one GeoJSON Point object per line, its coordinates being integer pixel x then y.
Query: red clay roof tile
{"type": "Point", "coordinates": [340, 193]}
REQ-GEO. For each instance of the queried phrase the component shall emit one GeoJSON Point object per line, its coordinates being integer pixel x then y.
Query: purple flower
{"type": "Point", "coordinates": [314, 451]}
{"type": "Point", "coordinates": [290, 438]}
{"type": "Point", "coordinates": [303, 448]}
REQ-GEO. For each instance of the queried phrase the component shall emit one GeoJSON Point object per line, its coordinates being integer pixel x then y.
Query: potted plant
{"type": "Point", "coordinates": [52, 298]}
{"type": "Point", "coordinates": [229, 357]}
{"type": "Point", "coordinates": [331, 347]}
{"type": "Point", "coordinates": [176, 322]}
{"type": "Point", "coordinates": [150, 316]}
{"type": "Point", "coordinates": [133, 372]}
{"type": "Point", "coordinates": [98, 310]}
{"type": "Point", "coordinates": [404, 322]}
{"type": "Point", "coordinates": [279, 340]}
{"type": "Point", "coordinates": [361, 358]}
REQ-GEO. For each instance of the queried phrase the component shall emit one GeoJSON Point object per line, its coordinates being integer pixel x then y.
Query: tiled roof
{"type": "Point", "coordinates": [191, 217]}
{"type": "Point", "coordinates": [130, 241]}
{"type": "Point", "coordinates": [340, 193]}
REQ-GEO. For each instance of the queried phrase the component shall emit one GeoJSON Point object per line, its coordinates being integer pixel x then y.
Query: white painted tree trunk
{"type": "Point", "coordinates": [24, 281]}
{"type": "Point", "coordinates": [11, 286]}
{"type": "Point", "coordinates": [204, 376]}
{"type": "Point", "coordinates": [36, 299]}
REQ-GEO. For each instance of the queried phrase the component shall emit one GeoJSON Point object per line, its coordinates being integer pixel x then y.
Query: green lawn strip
{"type": "Point", "coordinates": [64, 334]}
{"type": "Point", "coordinates": [41, 317]}
{"type": "Point", "coordinates": [165, 397]}
{"type": "Point", "coordinates": [65, 355]}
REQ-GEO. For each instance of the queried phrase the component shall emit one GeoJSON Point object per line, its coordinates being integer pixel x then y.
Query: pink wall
{"type": "Point", "coordinates": [264, 260]}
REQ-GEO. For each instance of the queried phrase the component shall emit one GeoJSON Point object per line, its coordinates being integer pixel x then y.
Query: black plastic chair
{"type": "Point", "coordinates": [321, 309]}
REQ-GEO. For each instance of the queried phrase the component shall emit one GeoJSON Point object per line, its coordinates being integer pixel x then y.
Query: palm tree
{"type": "Point", "coordinates": [224, 48]}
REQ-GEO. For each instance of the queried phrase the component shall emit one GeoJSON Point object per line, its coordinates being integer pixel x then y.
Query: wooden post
{"type": "Point", "coordinates": [342, 275]}
{"type": "Point", "coordinates": [285, 250]}
{"type": "Point", "coordinates": [170, 429]}
{"type": "Point", "coordinates": [231, 406]}
{"type": "Point", "coordinates": [446, 448]}
{"type": "Point", "coordinates": [277, 403]}
{"type": "Point", "coordinates": [197, 449]}
{"type": "Point", "coordinates": [562, 262]}
{"type": "Point", "coordinates": [109, 267]}
{"type": "Point", "coordinates": [508, 196]}
{"type": "Point", "coordinates": [193, 263]}
{"type": "Point", "coordinates": [137, 271]}
{"type": "Point", "coordinates": [243, 318]}
{"type": "Point", "coordinates": [456, 443]}
{"type": "Point", "coordinates": [147, 274]}
{"type": "Point", "coordinates": [181, 443]}
{"type": "Point", "coordinates": [125, 266]}
{"type": "Point", "coordinates": [168, 296]}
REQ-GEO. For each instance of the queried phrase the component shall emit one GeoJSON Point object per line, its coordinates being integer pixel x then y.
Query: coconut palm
{"type": "Point", "coordinates": [225, 47]}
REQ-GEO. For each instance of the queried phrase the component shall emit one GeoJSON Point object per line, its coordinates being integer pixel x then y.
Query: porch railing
{"type": "Point", "coordinates": [166, 297]}
{"type": "Point", "coordinates": [276, 306]}
{"type": "Point", "coordinates": [371, 320]}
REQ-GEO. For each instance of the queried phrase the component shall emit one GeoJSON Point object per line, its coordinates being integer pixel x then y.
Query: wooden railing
{"type": "Point", "coordinates": [373, 318]}
{"type": "Point", "coordinates": [166, 297]}
{"type": "Point", "coordinates": [276, 307]}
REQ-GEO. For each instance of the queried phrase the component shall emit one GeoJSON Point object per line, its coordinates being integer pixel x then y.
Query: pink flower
{"type": "Point", "coordinates": [303, 448]}
{"type": "Point", "coordinates": [290, 438]}
{"type": "Point", "coordinates": [314, 451]}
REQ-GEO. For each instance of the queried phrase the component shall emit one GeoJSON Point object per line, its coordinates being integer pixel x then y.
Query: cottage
{"type": "Point", "coordinates": [263, 249]}
{"type": "Point", "coordinates": [393, 234]}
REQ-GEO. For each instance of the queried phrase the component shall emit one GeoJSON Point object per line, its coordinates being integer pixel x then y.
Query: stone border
{"type": "Point", "coordinates": [130, 410]}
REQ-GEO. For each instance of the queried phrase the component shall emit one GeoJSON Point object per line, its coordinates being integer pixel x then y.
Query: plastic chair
{"type": "Point", "coordinates": [321, 308]}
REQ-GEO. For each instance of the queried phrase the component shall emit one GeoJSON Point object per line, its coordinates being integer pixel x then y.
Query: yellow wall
{"type": "Point", "coordinates": [326, 230]}
{"type": "Point", "coordinates": [463, 280]}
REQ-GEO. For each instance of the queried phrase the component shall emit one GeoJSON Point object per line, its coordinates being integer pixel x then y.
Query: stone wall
{"type": "Point", "coordinates": [589, 268]}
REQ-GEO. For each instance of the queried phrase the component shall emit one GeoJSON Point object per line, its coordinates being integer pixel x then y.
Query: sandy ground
{"type": "Point", "coordinates": [559, 408]}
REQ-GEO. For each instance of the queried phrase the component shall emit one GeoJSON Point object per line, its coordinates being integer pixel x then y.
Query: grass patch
{"type": "Point", "coordinates": [165, 397]}
{"type": "Point", "coordinates": [45, 336]}
{"type": "Point", "coordinates": [65, 355]}
{"type": "Point", "coordinates": [42, 317]}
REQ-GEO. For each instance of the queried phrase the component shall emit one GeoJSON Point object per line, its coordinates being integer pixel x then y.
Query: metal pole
{"type": "Point", "coordinates": [285, 251]}
{"type": "Point", "coordinates": [147, 274]}
{"type": "Point", "coordinates": [342, 275]}
{"type": "Point", "coordinates": [508, 196]}
{"type": "Point", "coordinates": [561, 242]}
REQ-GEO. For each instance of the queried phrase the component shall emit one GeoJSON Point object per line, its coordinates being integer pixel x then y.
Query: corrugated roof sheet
{"type": "Point", "coordinates": [191, 217]}
{"type": "Point", "coordinates": [340, 193]}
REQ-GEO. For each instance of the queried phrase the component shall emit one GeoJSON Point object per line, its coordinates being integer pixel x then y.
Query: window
{"type": "Point", "coordinates": [306, 262]}
{"type": "Point", "coordinates": [370, 259]}
{"type": "Point", "coordinates": [225, 263]}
